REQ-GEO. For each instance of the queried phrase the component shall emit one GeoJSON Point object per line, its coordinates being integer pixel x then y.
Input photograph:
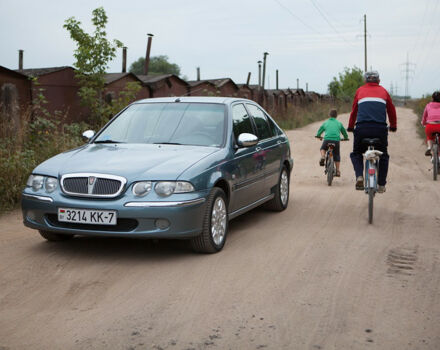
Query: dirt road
{"type": "Point", "coordinates": [315, 276]}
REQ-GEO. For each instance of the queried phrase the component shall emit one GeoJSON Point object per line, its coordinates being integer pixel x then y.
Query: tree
{"type": "Point", "coordinates": [93, 53]}
{"type": "Point", "coordinates": [345, 86]}
{"type": "Point", "coordinates": [158, 65]}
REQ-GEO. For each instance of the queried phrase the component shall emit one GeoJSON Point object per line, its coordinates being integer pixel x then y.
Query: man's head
{"type": "Point", "coordinates": [436, 96]}
{"type": "Point", "coordinates": [333, 113]}
{"type": "Point", "coordinates": [372, 76]}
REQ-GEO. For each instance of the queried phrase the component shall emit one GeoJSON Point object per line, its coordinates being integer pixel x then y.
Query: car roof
{"type": "Point", "coordinates": [195, 99]}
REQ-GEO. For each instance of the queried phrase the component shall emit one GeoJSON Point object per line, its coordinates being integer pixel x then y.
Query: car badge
{"type": "Point", "coordinates": [91, 180]}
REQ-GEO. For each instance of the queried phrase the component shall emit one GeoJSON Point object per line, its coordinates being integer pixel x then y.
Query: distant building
{"type": "Point", "coordinates": [117, 82]}
{"type": "Point", "coordinates": [164, 85]}
{"type": "Point", "coordinates": [202, 88]}
{"type": "Point", "coordinates": [60, 88]}
{"type": "Point", "coordinates": [16, 88]}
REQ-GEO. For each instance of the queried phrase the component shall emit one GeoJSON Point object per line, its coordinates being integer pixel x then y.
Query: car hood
{"type": "Point", "coordinates": [132, 161]}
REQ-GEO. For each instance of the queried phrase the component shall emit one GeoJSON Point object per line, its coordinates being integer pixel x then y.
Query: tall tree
{"type": "Point", "coordinates": [93, 53]}
{"type": "Point", "coordinates": [346, 84]}
{"type": "Point", "coordinates": [158, 65]}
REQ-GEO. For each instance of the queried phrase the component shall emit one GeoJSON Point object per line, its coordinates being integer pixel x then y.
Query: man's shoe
{"type": "Point", "coordinates": [338, 173]}
{"type": "Point", "coordinates": [360, 183]}
{"type": "Point", "coordinates": [381, 189]}
{"type": "Point", "coordinates": [321, 161]}
{"type": "Point", "coordinates": [428, 152]}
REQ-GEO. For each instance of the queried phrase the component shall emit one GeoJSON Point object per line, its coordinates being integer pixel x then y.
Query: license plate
{"type": "Point", "coordinates": [87, 216]}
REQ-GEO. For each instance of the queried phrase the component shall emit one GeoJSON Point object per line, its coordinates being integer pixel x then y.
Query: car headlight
{"type": "Point", "coordinates": [142, 188]}
{"type": "Point", "coordinates": [36, 182]}
{"type": "Point", "coordinates": [51, 184]}
{"type": "Point", "coordinates": [167, 188]}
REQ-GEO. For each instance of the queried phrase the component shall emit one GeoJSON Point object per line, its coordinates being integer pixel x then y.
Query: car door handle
{"type": "Point", "coordinates": [258, 149]}
{"type": "Point", "coordinates": [279, 142]}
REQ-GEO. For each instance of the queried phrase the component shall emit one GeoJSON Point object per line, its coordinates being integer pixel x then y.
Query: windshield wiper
{"type": "Point", "coordinates": [108, 141]}
{"type": "Point", "coordinates": [167, 143]}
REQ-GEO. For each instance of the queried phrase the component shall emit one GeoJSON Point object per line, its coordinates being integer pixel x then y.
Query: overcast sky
{"type": "Point", "coordinates": [312, 40]}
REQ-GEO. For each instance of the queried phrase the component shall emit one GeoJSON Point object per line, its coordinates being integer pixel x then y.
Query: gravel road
{"type": "Point", "coordinates": [315, 276]}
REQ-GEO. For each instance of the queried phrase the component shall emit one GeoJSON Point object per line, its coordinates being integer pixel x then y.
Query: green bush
{"type": "Point", "coordinates": [299, 116]}
{"type": "Point", "coordinates": [40, 137]}
{"type": "Point", "coordinates": [418, 106]}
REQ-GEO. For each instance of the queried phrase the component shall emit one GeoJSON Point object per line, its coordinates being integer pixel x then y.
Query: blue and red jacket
{"type": "Point", "coordinates": [370, 105]}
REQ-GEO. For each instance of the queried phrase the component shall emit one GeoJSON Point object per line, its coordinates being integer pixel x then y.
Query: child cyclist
{"type": "Point", "coordinates": [333, 129]}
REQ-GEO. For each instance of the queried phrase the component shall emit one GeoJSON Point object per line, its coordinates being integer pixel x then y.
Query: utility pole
{"type": "Point", "coordinates": [248, 79]}
{"type": "Point", "coordinates": [277, 80]}
{"type": "Point", "coordinates": [365, 41]}
{"type": "Point", "coordinates": [407, 70]}
{"type": "Point", "coordinates": [297, 83]}
{"type": "Point", "coordinates": [259, 74]}
{"type": "Point", "coordinates": [264, 67]}
{"type": "Point", "coordinates": [307, 87]}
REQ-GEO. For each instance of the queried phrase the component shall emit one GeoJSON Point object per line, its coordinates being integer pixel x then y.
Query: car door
{"type": "Point", "coordinates": [246, 172]}
{"type": "Point", "coordinates": [268, 148]}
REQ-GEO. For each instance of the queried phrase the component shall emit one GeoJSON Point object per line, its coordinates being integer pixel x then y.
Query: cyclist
{"type": "Point", "coordinates": [370, 107]}
{"type": "Point", "coordinates": [431, 120]}
{"type": "Point", "coordinates": [333, 129]}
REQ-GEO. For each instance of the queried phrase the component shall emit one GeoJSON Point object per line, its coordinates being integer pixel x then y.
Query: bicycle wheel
{"type": "Point", "coordinates": [435, 163]}
{"type": "Point", "coordinates": [330, 171]}
{"type": "Point", "coordinates": [370, 205]}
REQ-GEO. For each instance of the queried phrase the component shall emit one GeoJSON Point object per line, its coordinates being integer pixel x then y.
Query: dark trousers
{"type": "Point", "coordinates": [370, 131]}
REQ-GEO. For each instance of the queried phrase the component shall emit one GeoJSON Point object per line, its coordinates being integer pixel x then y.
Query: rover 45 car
{"type": "Point", "coordinates": [164, 168]}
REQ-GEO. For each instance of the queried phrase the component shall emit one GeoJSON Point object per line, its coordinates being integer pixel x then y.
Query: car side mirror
{"type": "Point", "coordinates": [247, 140]}
{"type": "Point", "coordinates": [88, 134]}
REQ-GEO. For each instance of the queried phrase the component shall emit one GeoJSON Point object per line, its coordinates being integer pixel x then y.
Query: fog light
{"type": "Point", "coordinates": [162, 224]}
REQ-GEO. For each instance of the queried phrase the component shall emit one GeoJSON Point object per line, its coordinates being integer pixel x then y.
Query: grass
{"type": "Point", "coordinates": [25, 143]}
{"type": "Point", "coordinates": [299, 116]}
{"type": "Point", "coordinates": [418, 106]}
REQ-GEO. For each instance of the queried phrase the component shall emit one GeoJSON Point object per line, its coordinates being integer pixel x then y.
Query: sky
{"type": "Point", "coordinates": [309, 40]}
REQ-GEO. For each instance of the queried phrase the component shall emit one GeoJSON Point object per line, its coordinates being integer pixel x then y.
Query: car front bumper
{"type": "Point", "coordinates": [136, 218]}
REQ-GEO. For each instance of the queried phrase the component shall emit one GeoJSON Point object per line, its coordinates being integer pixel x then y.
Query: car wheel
{"type": "Point", "coordinates": [281, 199]}
{"type": "Point", "coordinates": [55, 237]}
{"type": "Point", "coordinates": [215, 224]}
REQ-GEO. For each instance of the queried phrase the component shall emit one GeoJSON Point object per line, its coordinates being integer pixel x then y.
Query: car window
{"type": "Point", "coordinates": [241, 121]}
{"type": "Point", "coordinates": [273, 126]}
{"type": "Point", "coordinates": [201, 124]}
{"type": "Point", "coordinates": [263, 129]}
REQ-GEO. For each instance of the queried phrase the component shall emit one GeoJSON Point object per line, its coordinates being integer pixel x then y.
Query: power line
{"type": "Point", "coordinates": [323, 15]}
{"type": "Point", "coordinates": [297, 17]}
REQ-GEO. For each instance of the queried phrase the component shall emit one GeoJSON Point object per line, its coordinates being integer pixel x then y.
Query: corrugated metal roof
{"type": "Point", "coordinates": [112, 77]}
{"type": "Point", "coordinates": [35, 72]}
{"type": "Point", "coordinates": [13, 72]}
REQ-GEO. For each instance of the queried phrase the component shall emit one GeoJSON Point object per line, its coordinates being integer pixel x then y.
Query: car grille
{"type": "Point", "coordinates": [122, 225]}
{"type": "Point", "coordinates": [92, 185]}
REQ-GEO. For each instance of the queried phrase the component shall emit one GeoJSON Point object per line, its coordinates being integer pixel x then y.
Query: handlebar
{"type": "Point", "coordinates": [320, 137]}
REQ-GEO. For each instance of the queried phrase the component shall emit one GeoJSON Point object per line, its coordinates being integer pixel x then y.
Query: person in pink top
{"type": "Point", "coordinates": [431, 120]}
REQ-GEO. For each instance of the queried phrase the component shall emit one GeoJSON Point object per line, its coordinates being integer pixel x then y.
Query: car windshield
{"type": "Point", "coordinates": [201, 124]}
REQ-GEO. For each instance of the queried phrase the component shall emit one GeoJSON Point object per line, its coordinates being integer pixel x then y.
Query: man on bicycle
{"type": "Point", "coordinates": [369, 112]}
{"type": "Point", "coordinates": [333, 129]}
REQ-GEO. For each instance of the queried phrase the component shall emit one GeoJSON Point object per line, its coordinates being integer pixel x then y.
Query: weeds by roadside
{"type": "Point", "coordinates": [36, 137]}
{"type": "Point", "coordinates": [418, 106]}
{"type": "Point", "coordinates": [299, 116]}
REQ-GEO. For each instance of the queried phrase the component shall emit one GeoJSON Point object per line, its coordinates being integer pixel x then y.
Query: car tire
{"type": "Point", "coordinates": [215, 224]}
{"type": "Point", "coordinates": [55, 237]}
{"type": "Point", "coordinates": [281, 199]}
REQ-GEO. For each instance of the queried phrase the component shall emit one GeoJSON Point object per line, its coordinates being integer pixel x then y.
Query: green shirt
{"type": "Point", "coordinates": [333, 129]}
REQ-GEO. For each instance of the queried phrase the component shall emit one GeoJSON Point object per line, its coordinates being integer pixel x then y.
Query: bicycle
{"type": "Point", "coordinates": [435, 155]}
{"type": "Point", "coordinates": [371, 167]}
{"type": "Point", "coordinates": [329, 163]}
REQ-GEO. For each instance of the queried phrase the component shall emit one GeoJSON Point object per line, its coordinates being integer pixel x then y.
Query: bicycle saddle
{"type": "Point", "coordinates": [369, 141]}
